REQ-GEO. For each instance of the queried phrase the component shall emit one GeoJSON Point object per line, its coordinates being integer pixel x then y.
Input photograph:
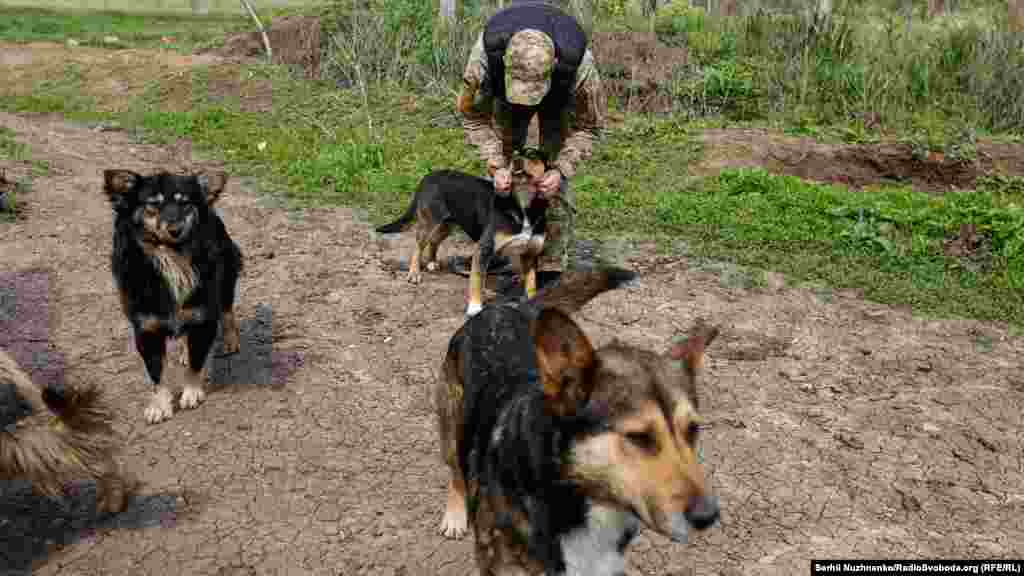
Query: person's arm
{"type": "Point", "coordinates": [590, 110]}
{"type": "Point", "coordinates": [477, 109]}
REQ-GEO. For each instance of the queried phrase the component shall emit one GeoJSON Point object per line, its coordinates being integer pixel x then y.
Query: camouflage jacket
{"type": "Point", "coordinates": [495, 139]}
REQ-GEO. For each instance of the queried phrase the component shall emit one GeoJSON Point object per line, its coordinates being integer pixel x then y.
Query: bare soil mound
{"type": "Point", "coordinates": [294, 41]}
{"type": "Point", "coordinates": [855, 165]}
{"type": "Point", "coordinates": [633, 66]}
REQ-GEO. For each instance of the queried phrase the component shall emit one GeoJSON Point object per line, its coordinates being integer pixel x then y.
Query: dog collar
{"type": "Point", "coordinates": [532, 378]}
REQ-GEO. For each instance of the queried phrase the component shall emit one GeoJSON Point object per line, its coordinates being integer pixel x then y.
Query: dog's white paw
{"type": "Point", "coordinates": [191, 397]}
{"type": "Point", "coordinates": [454, 524]}
{"type": "Point", "coordinates": [161, 406]}
{"type": "Point", "coordinates": [432, 266]}
{"type": "Point", "coordinates": [473, 308]}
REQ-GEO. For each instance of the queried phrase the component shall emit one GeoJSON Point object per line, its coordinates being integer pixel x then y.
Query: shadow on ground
{"type": "Point", "coordinates": [32, 526]}
{"type": "Point", "coordinates": [256, 364]}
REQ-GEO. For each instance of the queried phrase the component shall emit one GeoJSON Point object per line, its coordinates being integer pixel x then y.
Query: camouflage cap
{"type": "Point", "coordinates": [529, 61]}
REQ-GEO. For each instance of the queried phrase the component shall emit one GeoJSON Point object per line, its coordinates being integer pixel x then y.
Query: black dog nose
{"type": "Point", "coordinates": [702, 511]}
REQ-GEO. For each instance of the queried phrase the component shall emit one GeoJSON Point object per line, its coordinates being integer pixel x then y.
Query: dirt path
{"type": "Point", "coordinates": [841, 429]}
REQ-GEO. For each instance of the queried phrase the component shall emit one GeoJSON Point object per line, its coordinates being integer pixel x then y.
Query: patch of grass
{"type": "Point", "coordinates": [11, 149]}
{"type": "Point", "coordinates": [61, 94]}
{"type": "Point", "coordinates": [888, 244]}
{"type": "Point", "coordinates": [367, 147]}
{"type": "Point", "coordinates": [15, 152]}
{"type": "Point", "coordinates": [317, 145]}
{"type": "Point", "coordinates": [142, 7]}
{"type": "Point", "coordinates": [184, 33]}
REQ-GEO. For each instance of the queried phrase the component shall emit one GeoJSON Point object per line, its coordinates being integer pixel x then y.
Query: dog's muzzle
{"type": "Point", "coordinates": [701, 513]}
{"type": "Point", "coordinates": [178, 229]}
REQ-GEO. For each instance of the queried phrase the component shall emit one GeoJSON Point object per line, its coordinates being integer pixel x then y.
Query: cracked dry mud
{"type": "Point", "coordinates": [839, 428]}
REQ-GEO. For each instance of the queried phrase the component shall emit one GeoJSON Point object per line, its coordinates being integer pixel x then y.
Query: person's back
{"type": "Point", "coordinates": [532, 60]}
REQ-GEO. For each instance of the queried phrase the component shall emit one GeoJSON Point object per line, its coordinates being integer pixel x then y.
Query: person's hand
{"type": "Point", "coordinates": [502, 181]}
{"type": "Point", "coordinates": [549, 183]}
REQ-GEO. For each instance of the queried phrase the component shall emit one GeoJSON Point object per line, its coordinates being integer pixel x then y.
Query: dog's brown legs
{"type": "Point", "coordinates": [455, 520]}
{"type": "Point", "coordinates": [194, 391]}
{"type": "Point", "coordinates": [151, 347]}
{"type": "Point", "coordinates": [528, 272]}
{"type": "Point", "coordinates": [112, 489]}
{"type": "Point", "coordinates": [415, 276]}
{"type": "Point", "coordinates": [476, 287]}
{"type": "Point", "coordinates": [437, 235]}
{"type": "Point", "coordinates": [229, 326]}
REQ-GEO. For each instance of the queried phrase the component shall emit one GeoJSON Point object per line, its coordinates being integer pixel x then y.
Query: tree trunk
{"type": "Point", "coordinates": [200, 7]}
{"type": "Point", "coordinates": [825, 8]}
{"type": "Point", "coordinates": [936, 8]}
{"type": "Point", "coordinates": [728, 7]}
{"type": "Point", "coordinates": [1016, 14]}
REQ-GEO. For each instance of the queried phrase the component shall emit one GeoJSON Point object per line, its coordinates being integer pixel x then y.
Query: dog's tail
{"type": "Point", "coordinates": [574, 289]}
{"type": "Point", "coordinates": [69, 436]}
{"type": "Point", "coordinates": [403, 223]}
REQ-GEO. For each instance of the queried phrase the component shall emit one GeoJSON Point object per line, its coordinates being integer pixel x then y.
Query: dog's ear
{"type": "Point", "coordinates": [565, 359]}
{"type": "Point", "coordinates": [690, 350]}
{"type": "Point", "coordinates": [117, 184]}
{"type": "Point", "coordinates": [212, 184]}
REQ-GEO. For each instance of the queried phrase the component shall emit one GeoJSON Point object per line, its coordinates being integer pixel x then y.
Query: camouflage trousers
{"type": "Point", "coordinates": [560, 237]}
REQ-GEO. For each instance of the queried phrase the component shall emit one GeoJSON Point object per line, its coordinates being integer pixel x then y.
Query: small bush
{"type": "Point", "coordinates": [402, 44]}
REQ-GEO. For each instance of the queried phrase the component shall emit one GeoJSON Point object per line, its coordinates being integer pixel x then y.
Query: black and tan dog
{"type": "Point", "coordinates": [55, 435]}
{"type": "Point", "coordinates": [498, 224]}
{"type": "Point", "coordinates": [176, 269]}
{"type": "Point", "coordinates": [559, 452]}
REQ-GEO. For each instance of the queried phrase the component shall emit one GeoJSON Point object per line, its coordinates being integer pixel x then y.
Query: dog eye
{"type": "Point", "coordinates": [642, 440]}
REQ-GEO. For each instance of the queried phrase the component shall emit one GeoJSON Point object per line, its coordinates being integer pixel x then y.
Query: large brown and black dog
{"type": "Point", "coordinates": [176, 270]}
{"type": "Point", "coordinates": [66, 434]}
{"type": "Point", "coordinates": [559, 452]}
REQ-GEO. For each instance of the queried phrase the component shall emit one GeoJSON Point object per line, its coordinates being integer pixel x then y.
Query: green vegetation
{"type": "Point", "coordinates": [154, 7]}
{"type": "Point", "coordinates": [865, 65]}
{"type": "Point", "coordinates": [130, 29]}
{"type": "Point", "coordinates": [381, 117]}
{"type": "Point", "coordinates": [13, 151]}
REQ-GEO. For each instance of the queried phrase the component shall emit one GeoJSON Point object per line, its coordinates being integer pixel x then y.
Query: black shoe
{"type": "Point", "coordinates": [500, 266]}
